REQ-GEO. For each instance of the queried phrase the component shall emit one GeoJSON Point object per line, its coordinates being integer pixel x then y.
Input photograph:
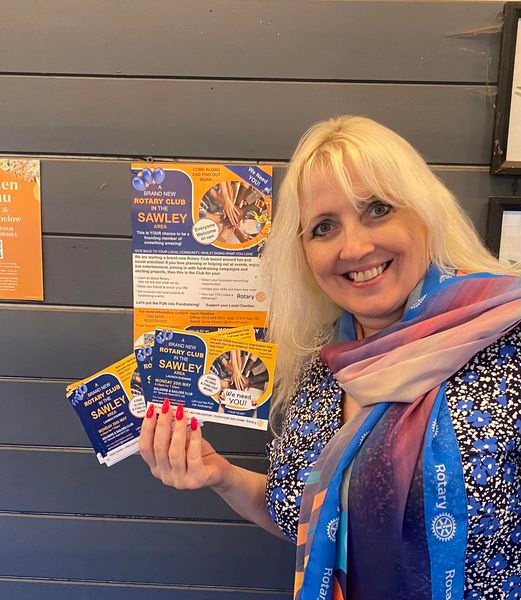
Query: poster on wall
{"type": "Point", "coordinates": [21, 273]}
{"type": "Point", "coordinates": [506, 154]}
{"type": "Point", "coordinates": [197, 236]}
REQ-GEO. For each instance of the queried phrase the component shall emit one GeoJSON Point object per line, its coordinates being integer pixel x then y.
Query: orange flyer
{"type": "Point", "coordinates": [21, 276]}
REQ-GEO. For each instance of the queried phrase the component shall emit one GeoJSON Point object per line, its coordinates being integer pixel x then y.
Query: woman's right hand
{"type": "Point", "coordinates": [180, 458]}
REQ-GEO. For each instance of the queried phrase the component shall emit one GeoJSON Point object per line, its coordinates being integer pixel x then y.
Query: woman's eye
{"type": "Point", "coordinates": [378, 209]}
{"type": "Point", "coordinates": [321, 229]}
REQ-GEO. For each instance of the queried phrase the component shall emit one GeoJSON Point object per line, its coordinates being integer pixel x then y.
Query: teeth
{"type": "Point", "coordinates": [360, 276]}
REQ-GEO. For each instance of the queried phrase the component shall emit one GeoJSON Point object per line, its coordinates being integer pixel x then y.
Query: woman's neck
{"type": "Point", "coordinates": [363, 331]}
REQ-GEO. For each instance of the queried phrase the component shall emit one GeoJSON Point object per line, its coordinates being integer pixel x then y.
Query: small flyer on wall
{"type": "Point", "coordinates": [198, 233]}
{"type": "Point", "coordinates": [21, 276]}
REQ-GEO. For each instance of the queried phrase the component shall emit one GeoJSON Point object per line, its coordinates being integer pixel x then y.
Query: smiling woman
{"type": "Point", "coordinates": [398, 395]}
{"type": "Point", "coordinates": [395, 326]}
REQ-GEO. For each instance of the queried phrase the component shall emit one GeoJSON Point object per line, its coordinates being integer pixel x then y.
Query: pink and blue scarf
{"type": "Point", "coordinates": [384, 511]}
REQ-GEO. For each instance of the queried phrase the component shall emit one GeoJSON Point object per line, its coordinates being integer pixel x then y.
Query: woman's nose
{"type": "Point", "coordinates": [357, 243]}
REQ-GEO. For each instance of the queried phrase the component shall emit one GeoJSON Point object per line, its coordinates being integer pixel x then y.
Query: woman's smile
{"type": "Point", "coordinates": [366, 275]}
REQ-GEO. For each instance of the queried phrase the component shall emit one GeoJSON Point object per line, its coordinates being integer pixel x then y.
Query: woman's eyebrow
{"type": "Point", "coordinates": [320, 215]}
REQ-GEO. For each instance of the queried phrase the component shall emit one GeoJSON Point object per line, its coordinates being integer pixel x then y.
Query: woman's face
{"type": "Point", "coordinates": [366, 261]}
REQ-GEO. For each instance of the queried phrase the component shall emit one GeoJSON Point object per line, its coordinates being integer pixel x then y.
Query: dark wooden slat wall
{"type": "Point", "coordinates": [149, 499]}
{"type": "Point", "coordinates": [90, 86]}
{"type": "Point", "coordinates": [253, 40]}
{"type": "Point", "coordinates": [214, 119]}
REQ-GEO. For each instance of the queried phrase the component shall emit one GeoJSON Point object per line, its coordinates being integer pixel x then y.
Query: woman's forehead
{"type": "Point", "coordinates": [345, 183]}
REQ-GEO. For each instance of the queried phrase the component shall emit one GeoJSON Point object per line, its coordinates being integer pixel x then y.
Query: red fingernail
{"type": "Point", "coordinates": [166, 406]}
{"type": "Point", "coordinates": [179, 412]}
{"type": "Point", "coordinates": [150, 411]}
{"type": "Point", "coordinates": [193, 424]}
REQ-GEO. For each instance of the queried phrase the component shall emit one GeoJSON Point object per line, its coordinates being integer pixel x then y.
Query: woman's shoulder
{"type": "Point", "coordinates": [484, 397]}
{"type": "Point", "coordinates": [501, 358]}
{"type": "Point", "coordinates": [314, 372]}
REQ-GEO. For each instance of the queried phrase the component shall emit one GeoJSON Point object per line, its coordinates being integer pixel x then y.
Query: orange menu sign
{"type": "Point", "coordinates": [21, 275]}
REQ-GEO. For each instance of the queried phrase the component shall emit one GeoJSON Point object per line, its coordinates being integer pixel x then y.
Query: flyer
{"type": "Point", "coordinates": [143, 350]}
{"type": "Point", "coordinates": [21, 273]}
{"type": "Point", "coordinates": [198, 231]}
{"type": "Point", "coordinates": [217, 378]}
{"type": "Point", "coordinates": [111, 407]}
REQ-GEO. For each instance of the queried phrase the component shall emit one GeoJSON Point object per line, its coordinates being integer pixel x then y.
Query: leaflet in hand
{"type": "Point", "coordinates": [224, 376]}
{"type": "Point", "coordinates": [143, 349]}
{"type": "Point", "coordinates": [111, 407]}
{"type": "Point", "coordinates": [217, 377]}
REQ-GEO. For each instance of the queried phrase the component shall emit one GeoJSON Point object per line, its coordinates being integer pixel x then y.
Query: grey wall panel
{"type": "Point", "coordinates": [67, 590]}
{"type": "Point", "coordinates": [41, 415]}
{"type": "Point", "coordinates": [449, 124]}
{"type": "Point", "coordinates": [86, 196]}
{"type": "Point", "coordinates": [473, 189]}
{"type": "Point", "coordinates": [128, 487]}
{"type": "Point", "coordinates": [254, 39]}
{"type": "Point", "coordinates": [62, 344]}
{"type": "Point", "coordinates": [88, 271]}
{"type": "Point", "coordinates": [153, 552]}
{"type": "Point", "coordinates": [93, 196]}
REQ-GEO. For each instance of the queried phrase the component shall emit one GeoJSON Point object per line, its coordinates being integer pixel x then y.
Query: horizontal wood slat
{"type": "Point", "coordinates": [62, 344]}
{"type": "Point", "coordinates": [252, 120]}
{"type": "Point", "coordinates": [65, 590]}
{"type": "Point", "coordinates": [93, 271]}
{"type": "Point", "coordinates": [421, 41]}
{"type": "Point", "coordinates": [80, 485]}
{"type": "Point", "coordinates": [153, 552]}
{"type": "Point", "coordinates": [38, 414]}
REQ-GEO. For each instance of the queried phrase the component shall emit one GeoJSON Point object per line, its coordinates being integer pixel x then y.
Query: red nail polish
{"type": "Point", "coordinates": [179, 412]}
{"type": "Point", "coordinates": [166, 406]}
{"type": "Point", "coordinates": [150, 411]}
{"type": "Point", "coordinates": [193, 424]}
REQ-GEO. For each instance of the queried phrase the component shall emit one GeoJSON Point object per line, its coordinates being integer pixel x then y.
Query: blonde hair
{"type": "Point", "coordinates": [301, 316]}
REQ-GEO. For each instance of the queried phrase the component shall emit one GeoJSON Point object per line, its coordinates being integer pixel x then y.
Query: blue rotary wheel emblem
{"type": "Point", "coordinates": [444, 527]}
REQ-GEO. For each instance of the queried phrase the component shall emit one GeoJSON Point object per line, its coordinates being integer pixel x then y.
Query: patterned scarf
{"type": "Point", "coordinates": [398, 456]}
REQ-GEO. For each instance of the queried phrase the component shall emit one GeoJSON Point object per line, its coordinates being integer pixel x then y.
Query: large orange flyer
{"type": "Point", "coordinates": [21, 275]}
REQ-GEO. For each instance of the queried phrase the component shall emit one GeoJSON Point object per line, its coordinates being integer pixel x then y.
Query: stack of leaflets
{"type": "Point", "coordinates": [111, 407]}
{"type": "Point", "coordinates": [223, 376]}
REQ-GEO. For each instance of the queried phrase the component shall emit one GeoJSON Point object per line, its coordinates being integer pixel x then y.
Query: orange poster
{"type": "Point", "coordinates": [21, 275]}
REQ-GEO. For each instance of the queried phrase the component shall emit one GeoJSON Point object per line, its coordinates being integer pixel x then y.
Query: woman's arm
{"type": "Point", "coordinates": [244, 491]}
{"type": "Point", "coordinates": [185, 460]}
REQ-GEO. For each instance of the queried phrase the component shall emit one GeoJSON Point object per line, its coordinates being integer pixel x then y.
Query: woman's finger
{"type": "Point", "coordinates": [177, 450]}
{"type": "Point", "coordinates": [194, 458]}
{"type": "Point", "coordinates": [146, 437]}
{"type": "Point", "coordinates": [162, 437]}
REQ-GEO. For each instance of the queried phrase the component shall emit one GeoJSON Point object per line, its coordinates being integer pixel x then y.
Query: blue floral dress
{"type": "Point", "coordinates": [484, 400]}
